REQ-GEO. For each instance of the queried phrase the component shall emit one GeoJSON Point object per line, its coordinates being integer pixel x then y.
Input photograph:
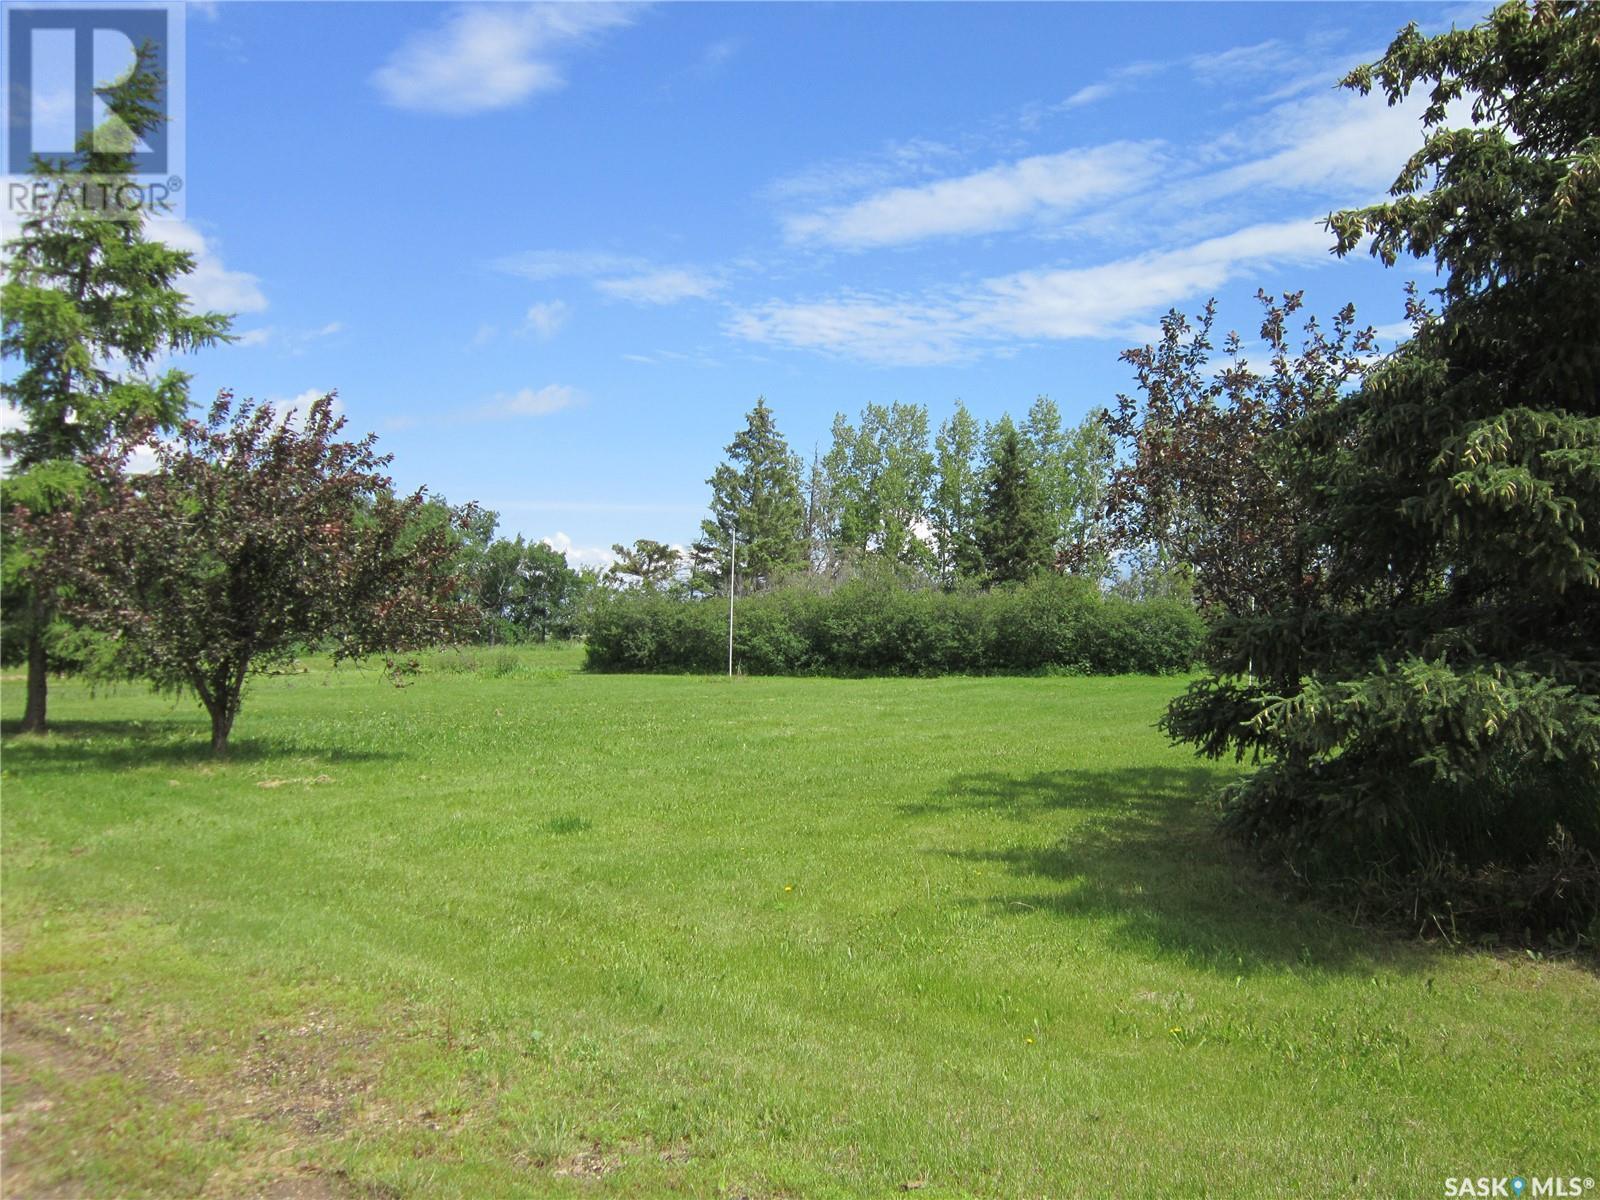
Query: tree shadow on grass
{"type": "Point", "coordinates": [1137, 849]}
{"type": "Point", "coordinates": [72, 746]}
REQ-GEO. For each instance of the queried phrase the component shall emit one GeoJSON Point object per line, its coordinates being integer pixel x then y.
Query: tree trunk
{"type": "Point", "coordinates": [221, 726]}
{"type": "Point", "coordinates": [33, 716]}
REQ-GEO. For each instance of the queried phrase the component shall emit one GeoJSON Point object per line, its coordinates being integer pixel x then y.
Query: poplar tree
{"type": "Point", "coordinates": [880, 477]}
{"type": "Point", "coordinates": [1074, 468]}
{"type": "Point", "coordinates": [954, 511]}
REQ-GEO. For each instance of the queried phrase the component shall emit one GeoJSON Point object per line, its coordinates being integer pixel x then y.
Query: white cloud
{"type": "Point", "coordinates": [142, 461]}
{"type": "Point", "coordinates": [1260, 58]}
{"type": "Point", "coordinates": [528, 402]}
{"type": "Point", "coordinates": [545, 320]}
{"type": "Point", "coordinates": [1107, 300]}
{"type": "Point", "coordinates": [1394, 331]}
{"type": "Point", "coordinates": [490, 56]}
{"type": "Point", "coordinates": [659, 287]}
{"type": "Point", "coordinates": [1000, 197]}
{"type": "Point", "coordinates": [1115, 81]}
{"type": "Point", "coordinates": [831, 180]}
{"type": "Point", "coordinates": [620, 276]}
{"type": "Point", "coordinates": [890, 331]}
{"type": "Point", "coordinates": [1343, 141]}
{"type": "Point", "coordinates": [293, 410]}
{"type": "Point", "coordinates": [1100, 301]}
{"type": "Point", "coordinates": [1088, 95]}
{"type": "Point", "coordinates": [580, 556]}
{"type": "Point", "coordinates": [11, 419]}
{"type": "Point", "coordinates": [211, 287]}
{"type": "Point", "coordinates": [292, 341]}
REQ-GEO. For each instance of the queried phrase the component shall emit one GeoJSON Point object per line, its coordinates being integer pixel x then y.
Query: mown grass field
{"type": "Point", "coordinates": [557, 934]}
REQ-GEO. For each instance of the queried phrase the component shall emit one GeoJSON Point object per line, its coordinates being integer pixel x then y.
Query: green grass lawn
{"type": "Point", "coordinates": [545, 933]}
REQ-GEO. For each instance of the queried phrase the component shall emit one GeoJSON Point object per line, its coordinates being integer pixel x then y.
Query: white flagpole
{"type": "Point", "coordinates": [732, 558]}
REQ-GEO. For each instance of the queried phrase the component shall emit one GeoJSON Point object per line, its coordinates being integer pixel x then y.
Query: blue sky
{"type": "Point", "coordinates": [552, 254]}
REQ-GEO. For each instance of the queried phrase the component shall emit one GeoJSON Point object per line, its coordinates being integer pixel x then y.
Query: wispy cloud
{"type": "Point", "coordinates": [1339, 140]}
{"type": "Point", "coordinates": [1271, 56]}
{"type": "Point", "coordinates": [1302, 63]}
{"type": "Point", "coordinates": [545, 320]}
{"type": "Point", "coordinates": [1211, 208]}
{"type": "Point", "coordinates": [620, 276]}
{"type": "Point", "coordinates": [530, 402]}
{"type": "Point", "coordinates": [1107, 300]}
{"type": "Point", "coordinates": [293, 409]}
{"type": "Point", "coordinates": [659, 287]}
{"type": "Point", "coordinates": [695, 358]}
{"type": "Point", "coordinates": [1117, 80]}
{"type": "Point", "coordinates": [290, 341]}
{"type": "Point", "coordinates": [1000, 197]}
{"type": "Point", "coordinates": [1088, 95]}
{"type": "Point", "coordinates": [830, 181]}
{"type": "Point", "coordinates": [490, 56]}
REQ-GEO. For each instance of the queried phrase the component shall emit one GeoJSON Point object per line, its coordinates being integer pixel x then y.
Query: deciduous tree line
{"type": "Point", "coordinates": [967, 504]}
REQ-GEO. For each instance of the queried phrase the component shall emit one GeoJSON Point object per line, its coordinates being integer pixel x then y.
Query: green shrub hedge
{"type": "Point", "coordinates": [877, 628]}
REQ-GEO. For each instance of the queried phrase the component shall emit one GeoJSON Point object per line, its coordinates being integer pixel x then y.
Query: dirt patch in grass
{"type": "Point", "coordinates": [257, 1122]}
{"type": "Point", "coordinates": [592, 1162]}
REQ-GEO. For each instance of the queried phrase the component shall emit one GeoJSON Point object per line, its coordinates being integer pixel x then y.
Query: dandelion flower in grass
{"type": "Point", "coordinates": [788, 887]}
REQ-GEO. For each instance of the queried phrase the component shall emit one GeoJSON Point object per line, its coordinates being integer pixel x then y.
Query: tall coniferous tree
{"type": "Point", "coordinates": [1012, 531]}
{"type": "Point", "coordinates": [757, 493]}
{"type": "Point", "coordinates": [90, 304]}
{"type": "Point", "coordinates": [1443, 700]}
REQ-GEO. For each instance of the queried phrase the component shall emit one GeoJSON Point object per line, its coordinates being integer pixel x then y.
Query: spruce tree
{"type": "Point", "coordinates": [1438, 709]}
{"type": "Point", "coordinates": [1013, 531]}
{"type": "Point", "coordinates": [90, 306]}
{"type": "Point", "coordinates": [757, 494]}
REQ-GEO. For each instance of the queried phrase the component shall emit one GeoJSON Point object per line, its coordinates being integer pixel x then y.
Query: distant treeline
{"type": "Point", "coordinates": [968, 506]}
{"type": "Point", "coordinates": [880, 626]}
